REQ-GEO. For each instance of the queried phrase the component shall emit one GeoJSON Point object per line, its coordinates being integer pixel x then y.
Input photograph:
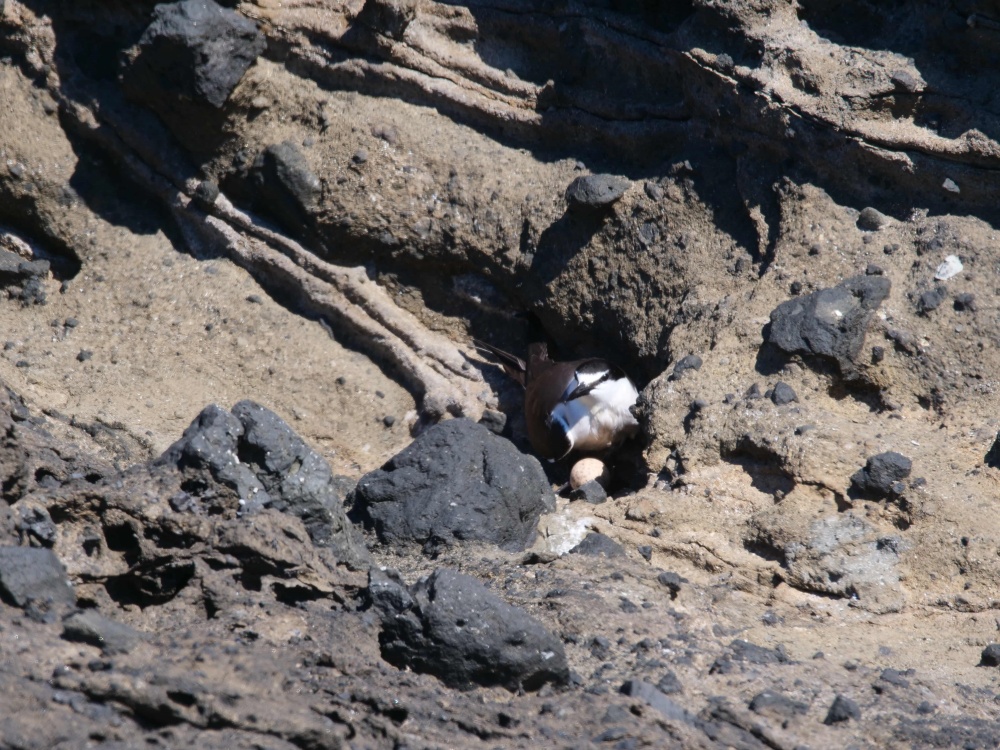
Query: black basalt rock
{"type": "Point", "coordinates": [881, 475]}
{"type": "Point", "coordinates": [193, 50]}
{"type": "Point", "coordinates": [32, 574]}
{"type": "Point", "coordinates": [596, 191]}
{"type": "Point", "coordinates": [449, 625]}
{"type": "Point", "coordinates": [284, 185]}
{"type": "Point", "coordinates": [456, 482]}
{"type": "Point", "coordinates": [255, 455]}
{"type": "Point", "coordinates": [831, 323]}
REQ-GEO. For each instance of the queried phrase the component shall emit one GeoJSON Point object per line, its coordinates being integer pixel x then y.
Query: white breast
{"type": "Point", "coordinates": [601, 418]}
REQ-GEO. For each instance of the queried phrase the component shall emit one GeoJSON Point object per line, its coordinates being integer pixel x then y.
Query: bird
{"type": "Point", "coordinates": [583, 405]}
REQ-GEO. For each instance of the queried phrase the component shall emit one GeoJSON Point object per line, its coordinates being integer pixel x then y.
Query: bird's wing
{"type": "Point", "coordinates": [513, 366]}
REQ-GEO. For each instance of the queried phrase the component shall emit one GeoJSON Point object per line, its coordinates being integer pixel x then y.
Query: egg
{"type": "Point", "coordinates": [588, 470]}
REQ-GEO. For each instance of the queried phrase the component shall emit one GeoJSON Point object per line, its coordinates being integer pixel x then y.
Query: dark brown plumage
{"type": "Point", "coordinates": [583, 404]}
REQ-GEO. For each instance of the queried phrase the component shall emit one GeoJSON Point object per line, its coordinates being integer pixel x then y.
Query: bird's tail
{"type": "Point", "coordinates": [513, 366]}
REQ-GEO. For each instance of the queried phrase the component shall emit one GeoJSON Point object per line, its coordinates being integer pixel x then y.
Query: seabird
{"type": "Point", "coordinates": [582, 405]}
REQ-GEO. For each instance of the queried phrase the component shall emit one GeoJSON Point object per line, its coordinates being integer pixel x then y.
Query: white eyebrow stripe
{"type": "Point", "coordinates": [586, 378]}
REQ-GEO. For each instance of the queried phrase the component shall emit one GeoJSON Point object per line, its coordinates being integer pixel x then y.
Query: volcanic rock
{"type": "Point", "coordinates": [456, 482]}
{"type": "Point", "coordinates": [830, 323]}
{"type": "Point", "coordinates": [449, 625]}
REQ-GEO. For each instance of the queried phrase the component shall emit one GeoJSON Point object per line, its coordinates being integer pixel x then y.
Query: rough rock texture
{"type": "Point", "coordinates": [882, 475]}
{"type": "Point", "coordinates": [193, 50]}
{"type": "Point", "coordinates": [385, 180]}
{"type": "Point", "coordinates": [253, 453]}
{"type": "Point", "coordinates": [456, 482]}
{"type": "Point", "coordinates": [449, 625]}
{"type": "Point", "coordinates": [830, 323]}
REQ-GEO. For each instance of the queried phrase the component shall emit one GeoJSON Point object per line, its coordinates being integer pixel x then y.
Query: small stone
{"type": "Point", "coordinates": [598, 545]}
{"type": "Point", "coordinates": [930, 300]}
{"type": "Point", "coordinates": [965, 302]}
{"type": "Point", "coordinates": [871, 220]}
{"type": "Point", "coordinates": [843, 708]}
{"type": "Point", "coordinates": [690, 363]}
{"type": "Point", "coordinates": [951, 186]}
{"type": "Point", "coordinates": [71, 323]}
{"type": "Point", "coordinates": [206, 193]}
{"type": "Point", "coordinates": [878, 354]}
{"type": "Point", "coordinates": [990, 656]}
{"type": "Point", "coordinates": [388, 420]}
{"type": "Point", "coordinates": [360, 156]}
{"type": "Point", "coordinates": [753, 392]}
{"type": "Point", "coordinates": [672, 581]}
{"type": "Point", "coordinates": [874, 270]}
{"type": "Point", "coordinates": [596, 191]}
{"type": "Point", "coordinates": [882, 474]}
{"type": "Point", "coordinates": [255, 299]}
{"type": "Point", "coordinates": [646, 551]}
{"type": "Point", "coordinates": [653, 191]}
{"type": "Point", "coordinates": [905, 81]}
{"type": "Point", "coordinates": [591, 492]}
{"type": "Point", "coordinates": [796, 287]}
{"type": "Point", "coordinates": [669, 684]}
{"type": "Point", "coordinates": [783, 394]}
{"type": "Point", "coordinates": [802, 429]}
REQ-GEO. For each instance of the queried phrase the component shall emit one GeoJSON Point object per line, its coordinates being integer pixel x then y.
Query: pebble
{"type": "Point", "coordinates": [842, 709]}
{"type": "Point", "coordinates": [871, 220]}
{"type": "Point", "coordinates": [388, 420]}
{"type": "Point", "coordinates": [990, 656]}
{"type": "Point", "coordinates": [783, 394]}
{"type": "Point", "coordinates": [965, 302]}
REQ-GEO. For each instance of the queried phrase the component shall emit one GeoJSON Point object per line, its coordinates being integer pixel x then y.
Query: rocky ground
{"type": "Point", "coordinates": [259, 489]}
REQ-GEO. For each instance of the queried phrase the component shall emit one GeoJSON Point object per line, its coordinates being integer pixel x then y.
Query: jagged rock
{"type": "Point", "coordinates": [830, 323]}
{"type": "Point", "coordinates": [23, 278]}
{"type": "Point", "coordinates": [31, 574]}
{"type": "Point", "coordinates": [841, 555]}
{"type": "Point", "coordinates": [210, 444]}
{"type": "Point", "coordinates": [842, 709]}
{"type": "Point", "coordinates": [193, 50]}
{"type": "Point", "coordinates": [297, 479]}
{"type": "Point", "coordinates": [284, 185]}
{"type": "Point", "coordinates": [449, 625]}
{"type": "Point", "coordinates": [455, 482]}
{"type": "Point", "coordinates": [255, 454]}
{"type": "Point", "coordinates": [882, 475]}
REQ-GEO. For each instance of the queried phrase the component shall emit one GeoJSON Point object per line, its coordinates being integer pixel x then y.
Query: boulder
{"type": "Point", "coordinates": [456, 482]}
{"type": "Point", "coordinates": [449, 625]}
